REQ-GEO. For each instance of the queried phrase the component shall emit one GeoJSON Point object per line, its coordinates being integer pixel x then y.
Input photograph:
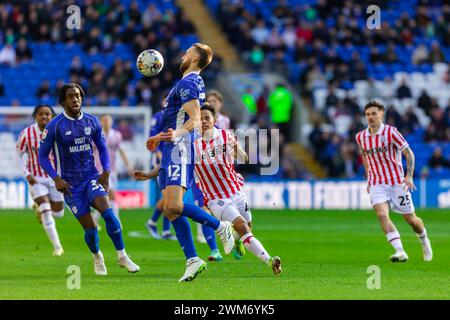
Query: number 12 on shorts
{"type": "Point", "coordinates": [174, 171]}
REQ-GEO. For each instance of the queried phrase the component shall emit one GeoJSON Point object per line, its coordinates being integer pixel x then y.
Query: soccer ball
{"type": "Point", "coordinates": [149, 62]}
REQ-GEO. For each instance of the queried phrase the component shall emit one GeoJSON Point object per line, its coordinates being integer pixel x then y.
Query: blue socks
{"type": "Point", "coordinates": [166, 224]}
{"type": "Point", "coordinates": [156, 215]}
{"type": "Point", "coordinates": [91, 238]}
{"type": "Point", "coordinates": [198, 215]}
{"type": "Point", "coordinates": [184, 236]}
{"type": "Point", "coordinates": [113, 228]}
{"type": "Point", "coordinates": [210, 237]}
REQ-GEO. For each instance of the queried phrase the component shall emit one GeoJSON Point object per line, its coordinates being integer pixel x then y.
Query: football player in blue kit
{"type": "Point", "coordinates": [181, 116]}
{"type": "Point", "coordinates": [71, 136]}
{"type": "Point", "coordinates": [156, 127]}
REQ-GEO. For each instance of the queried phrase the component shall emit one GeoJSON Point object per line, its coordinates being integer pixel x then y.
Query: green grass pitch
{"type": "Point", "coordinates": [325, 256]}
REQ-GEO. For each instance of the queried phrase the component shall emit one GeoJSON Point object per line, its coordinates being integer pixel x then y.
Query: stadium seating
{"type": "Point", "coordinates": [382, 76]}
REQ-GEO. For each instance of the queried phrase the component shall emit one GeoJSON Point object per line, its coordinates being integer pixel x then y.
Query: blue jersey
{"type": "Point", "coordinates": [190, 87]}
{"type": "Point", "coordinates": [72, 143]}
{"type": "Point", "coordinates": [177, 158]}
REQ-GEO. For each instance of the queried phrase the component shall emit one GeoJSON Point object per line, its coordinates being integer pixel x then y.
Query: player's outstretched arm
{"type": "Point", "coordinates": [142, 175]}
{"type": "Point", "coordinates": [410, 164]}
{"type": "Point", "coordinates": [153, 142]}
{"type": "Point", "coordinates": [192, 108]}
{"type": "Point", "coordinates": [125, 160]}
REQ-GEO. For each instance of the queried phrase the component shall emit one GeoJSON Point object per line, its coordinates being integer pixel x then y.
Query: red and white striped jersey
{"type": "Point", "coordinates": [28, 143]}
{"type": "Point", "coordinates": [383, 153]}
{"type": "Point", "coordinates": [214, 166]}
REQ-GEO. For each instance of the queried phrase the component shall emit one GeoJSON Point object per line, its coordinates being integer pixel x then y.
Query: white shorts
{"type": "Point", "coordinates": [399, 200]}
{"type": "Point", "coordinates": [238, 201]}
{"type": "Point", "coordinates": [44, 187]}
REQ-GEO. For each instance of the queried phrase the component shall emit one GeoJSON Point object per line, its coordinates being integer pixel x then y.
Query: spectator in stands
{"type": "Point", "coordinates": [259, 32]}
{"type": "Point", "coordinates": [403, 91]}
{"type": "Point", "coordinates": [420, 55]}
{"type": "Point", "coordinates": [446, 115]}
{"type": "Point", "coordinates": [436, 54]}
{"type": "Point", "coordinates": [375, 56]}
{"type": "Point", "coordinates": [432, 135]}
{"type": "Point", "coordinates": [2, 87]}
{"type": "Point", "coordinates": [315, 79]}
{"type": "Point", "coordinates": [372, 92]}
{"type": "Point", "coordinates": [76, 67]}
{"type": "Point", "coordinates": [8, 55]}
{"type": "Point", "coordinates": [278, 64]}
{"type": "Point", "coordinates": [92, 43]}
{"type": "Point", "coordinates": [151, 14]}
{"type": "Point", "coordinates": [332, 98]}
{"type": "Point", "coordinates": [102, 99]}
{"type": "Point", "coordinates": [410, 121]}
{"type": "Point", "coordinates": [256, 57]}
{"type": "Point", "coordinates": [97, 83]}
{"type": "Point", "coordinates": [390, 55]}
{"type": "Point", "coordinates": [437, 160]}
{"type": "Point", "coordinates": [289, 36]}
{"type": "Point", "coordinates": [44, 90]}
{"type": "Point", "coordinates": [23, 52]}
{"type": "Point", "coordinates": [393, 118]}
{"type": "Point", "coordinates": [424, 102]}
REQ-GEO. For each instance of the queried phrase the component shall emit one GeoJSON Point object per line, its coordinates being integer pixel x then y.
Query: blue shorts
{"type": "Point", "coordinates": [83, 195]}
{"type": "Point", "coordinates": [197, 195]}
{"type": "Point", "coordinates": [177, 168]}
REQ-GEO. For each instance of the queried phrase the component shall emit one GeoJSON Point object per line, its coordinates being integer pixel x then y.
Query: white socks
{"type": "Point", "coordinates": [121, 253]}
{"type": "Point", "coordinates": [48, 222]}
{"type": "Point", "coordinates": [394, 239]}
{"type": "Point", "coordinates": [254, 246]}
{"type": "Point", "coordinates": [422, 236]}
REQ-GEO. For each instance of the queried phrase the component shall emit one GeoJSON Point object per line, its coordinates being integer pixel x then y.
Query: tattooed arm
{"type": "Point", "coordinates": [410, 163]}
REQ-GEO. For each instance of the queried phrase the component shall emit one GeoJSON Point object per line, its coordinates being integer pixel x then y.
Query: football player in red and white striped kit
{"type": "Point", "coordinates": [381, 147]}
{"type": "Point", "coordinates": [49, 202]}
{"type": "Point", "coordinates": [222, 186]}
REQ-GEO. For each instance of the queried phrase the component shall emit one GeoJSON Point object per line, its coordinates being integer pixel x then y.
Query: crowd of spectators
{"type": "Point", "coordinates": [105, 26]}
{"type": "Point", "coordinates": [300, 35]}
{"type": "Point", "coordinates": [332, 49]}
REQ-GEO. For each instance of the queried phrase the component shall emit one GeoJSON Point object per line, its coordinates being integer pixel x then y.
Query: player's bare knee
{"type": "Point", "coordinates": [101, 204]}
{"type": "Point", "coordinates": [410, 218]}
{"type": "Point", "coordinates": [174, 208]}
